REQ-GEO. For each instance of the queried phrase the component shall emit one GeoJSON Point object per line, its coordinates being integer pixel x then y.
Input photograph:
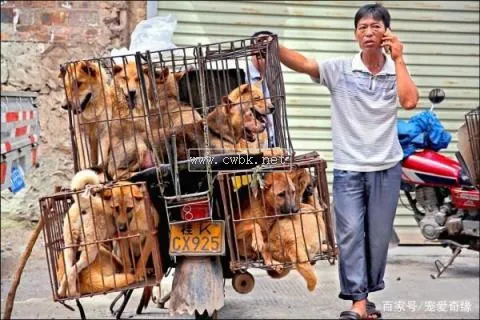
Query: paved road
{"type": "Point", "coordinates": [410, 292]}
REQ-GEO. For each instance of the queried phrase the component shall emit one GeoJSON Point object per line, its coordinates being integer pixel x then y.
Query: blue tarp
{"type": "Point", "coordinates": [422, 131]}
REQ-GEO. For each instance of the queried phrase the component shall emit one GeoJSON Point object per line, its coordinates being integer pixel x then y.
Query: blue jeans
{"type": "Point", "coordinates": [365, 205]}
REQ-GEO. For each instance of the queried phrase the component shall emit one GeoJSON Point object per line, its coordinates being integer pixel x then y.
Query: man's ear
{"type": "Point", "coordinates": [89, 69]}
{"type": "Point", "coordinates": [116, 69]}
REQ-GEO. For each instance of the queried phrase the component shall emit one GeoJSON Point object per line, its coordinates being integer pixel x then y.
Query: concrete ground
{"type": "Point", "coordinates": [410, 291]}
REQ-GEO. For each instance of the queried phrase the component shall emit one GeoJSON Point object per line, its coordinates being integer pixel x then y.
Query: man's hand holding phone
{"type": "Point", "coordinates": [392, 45]}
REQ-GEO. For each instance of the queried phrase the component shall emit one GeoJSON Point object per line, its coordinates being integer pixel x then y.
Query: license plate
{"type": "Point", "coordinates": [197, 238]}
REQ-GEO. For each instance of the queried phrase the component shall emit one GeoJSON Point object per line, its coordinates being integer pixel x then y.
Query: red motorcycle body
{"type": "Point", "coordinates": [430, 168]}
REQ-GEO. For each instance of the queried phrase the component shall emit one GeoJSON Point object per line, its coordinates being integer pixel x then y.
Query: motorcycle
{"type": "Point", "coordinates": [443, 193]}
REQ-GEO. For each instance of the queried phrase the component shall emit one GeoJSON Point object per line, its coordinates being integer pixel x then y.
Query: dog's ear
{"type": "Point", "coordinates": [116, 69]}
{"type": "Point", "coordinates": [106, 194]}
{"type": "Point", "coordinates": [137, 193]}
{"type": "Point", "coordinates": [160, 75]}
{"type": "Point", "coordinates": [165, 73]}
{"type": "Point", "coordinates": [227, 103]}
{"type": "Point", "coordinates": [62, 72]}
{"type": "Point", "coordinates": [267, 181]}
{"type": "Point", "coordinates": [89, 69]}
{"type": "Point", "coordinates": [178, 75]}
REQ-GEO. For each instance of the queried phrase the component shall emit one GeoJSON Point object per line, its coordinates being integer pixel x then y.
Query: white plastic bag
{"type": "Point", "coordinates": [152, 34]}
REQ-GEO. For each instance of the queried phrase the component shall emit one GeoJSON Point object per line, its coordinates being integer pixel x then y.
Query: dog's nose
{"type": "Point", "coordinates": [122, 227]}
{"type": "Point", "coordinates": [132, 94]}
{"type": "Point", "coordinates": [271, 108]}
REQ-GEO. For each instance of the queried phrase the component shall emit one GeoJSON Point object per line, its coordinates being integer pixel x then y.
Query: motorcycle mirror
{"type": "Point", "coordinates": [436, 95]}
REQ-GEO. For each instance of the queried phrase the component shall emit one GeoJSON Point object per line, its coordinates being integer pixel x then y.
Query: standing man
{"type": "Point", "coordinates": [364, 91]}
{"type": "Point", "coordinates": [256, 68]}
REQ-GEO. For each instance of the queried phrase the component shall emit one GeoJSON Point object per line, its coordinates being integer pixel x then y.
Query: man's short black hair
{"type": "Point", "coordinates": [376, 11]}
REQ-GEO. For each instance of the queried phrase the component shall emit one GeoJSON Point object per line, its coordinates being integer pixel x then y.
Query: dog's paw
{"type": "Point", "coordinates": [258, 245]}
{"type": "Point", "coordinates": [277, 266]}
{"type": "Point", "coordinates": [311, 285]}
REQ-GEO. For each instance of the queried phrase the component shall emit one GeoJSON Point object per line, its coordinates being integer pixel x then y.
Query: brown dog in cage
{"type": "Point", "coordinates": [297, 239]}
{"type": "Point", "coordinates": [257, 215]}
{"type": "Point", "coordinates": [227, 124]}
{"type": "Point", "coordinates": [85, 223]}
{"type": "Point", "coordinates": [127, 203]}
{"type": "Point", "coordinates": [261, 106]}
{"type": "Point", "coordinates": [173, 113]}
{"type": "Point", "coordinates": [105, 273]}
{"type": "Point", "coordinates": [88, 95]}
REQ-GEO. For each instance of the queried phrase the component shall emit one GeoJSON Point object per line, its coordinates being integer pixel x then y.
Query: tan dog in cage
{"type": "Point", "coordinates": [227, 124]}
{"type": "Point", "coordinates": [88, 95]}
{"type": "Point", "coordinates": [86, 223]}
{"type": "Point", "coordinates": [124, 145]}
{"type": "Point", "coordinates": [173, 113]}
{"type": "Point", "coordinates": [261, 107]}
{"type": "Point", "coordinates": [105, 273]}
{"type": "Point", "coordinates": [127, 203]}
{"type": "Point", "coordinates": [296, 239]}
{"type": "Point", "coordinates": [278, 197]}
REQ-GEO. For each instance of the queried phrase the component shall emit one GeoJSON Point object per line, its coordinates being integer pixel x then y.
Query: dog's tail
{"type": "Point", "coordinates": [83, 178]}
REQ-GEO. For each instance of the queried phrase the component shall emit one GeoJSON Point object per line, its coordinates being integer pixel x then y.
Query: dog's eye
{"type": "Point", "coordinates": [129, 209]}
{"type": "Point", "coordinates": [117, 209]}
{"type": "Point", "coordinates": [136, 79]}
{"type": "Point", "coordinates": [282, 194]}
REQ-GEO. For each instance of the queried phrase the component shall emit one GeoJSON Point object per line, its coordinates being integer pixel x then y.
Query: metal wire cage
{"type": "Point", "coordinates": [472, 119]}
{"type": "Point", "coordinates": [131, 112]}
{"type": "Point", "coordinates": [106, 238]}
{"type": "Point", "coordinates": [281, 221]}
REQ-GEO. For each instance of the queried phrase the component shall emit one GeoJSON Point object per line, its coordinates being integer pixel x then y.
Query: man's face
{"type": "Point", "coordinates": [369, 33]}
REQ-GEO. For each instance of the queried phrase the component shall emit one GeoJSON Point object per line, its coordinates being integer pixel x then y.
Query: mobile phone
{"type": "Point", "coordinates": [387, 48]}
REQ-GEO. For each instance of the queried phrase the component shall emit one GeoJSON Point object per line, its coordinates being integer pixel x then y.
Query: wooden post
{"type": "Point", "coordinates": [18, 274]}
